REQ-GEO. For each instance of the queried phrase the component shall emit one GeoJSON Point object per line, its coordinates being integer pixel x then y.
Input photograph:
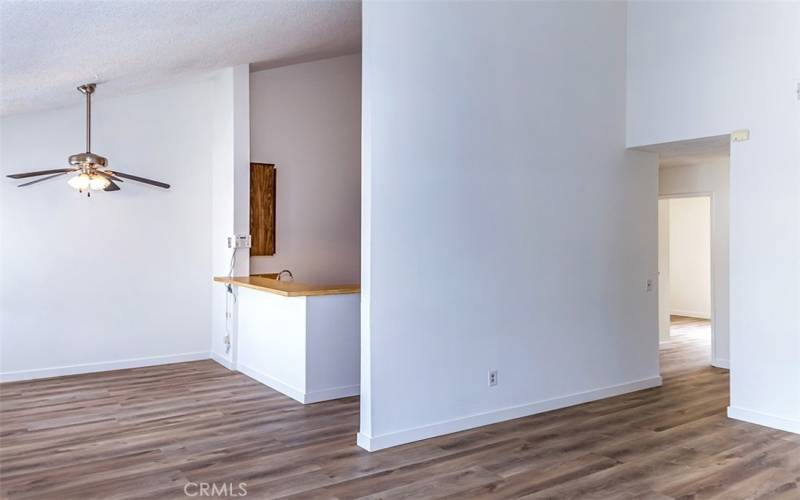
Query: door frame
{"type": "Point", "coordinates": [712, 247]}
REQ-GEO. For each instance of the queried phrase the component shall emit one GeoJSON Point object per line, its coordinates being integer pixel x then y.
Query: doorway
{"type": "Point", "coordinates": [686, 295]}
{"type": "Point", "coordinates": [691, 169]}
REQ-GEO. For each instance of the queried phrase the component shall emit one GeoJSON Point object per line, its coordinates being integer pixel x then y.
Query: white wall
{"type": "Point", "coordinates": [118, 279]}
{"type": "Point", "coordinates": [710, 177]}
{"type": "Point", "coordinates": [230, 202]}
{"type": "Point", "coordinates": [505, 225]}
{"type": "Point", "coordinates": [690, 257]}
{"type": "Point", "coordinates": [700, 69]}
{"type": "Point", "coordinates": [664, 321]}
{"type": "Point", "coordinates": [306, 118]}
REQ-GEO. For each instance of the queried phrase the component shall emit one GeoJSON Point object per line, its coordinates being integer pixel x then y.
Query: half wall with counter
{"type": "Point", "coordinates": [299, 339]}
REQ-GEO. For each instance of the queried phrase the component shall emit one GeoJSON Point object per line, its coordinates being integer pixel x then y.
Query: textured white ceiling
{"type": "Point", "coordinates": [49, 48]}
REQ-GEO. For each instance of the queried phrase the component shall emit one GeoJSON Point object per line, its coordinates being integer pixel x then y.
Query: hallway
{"type": "Point", "coordinates": [689, 346]}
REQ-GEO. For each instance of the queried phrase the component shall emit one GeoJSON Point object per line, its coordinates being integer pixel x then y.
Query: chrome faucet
{"type": "Point", "coordinates": [280, 275]}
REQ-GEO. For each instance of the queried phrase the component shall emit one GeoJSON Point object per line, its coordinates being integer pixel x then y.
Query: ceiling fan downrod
{"type": "Point", "coordinates": [88, 159]}
{"type": "Point", "coordinates": [88, 90]}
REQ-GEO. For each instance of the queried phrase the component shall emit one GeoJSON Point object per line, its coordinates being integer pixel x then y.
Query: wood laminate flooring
{"type": "Point", "coordinates": [145, 433]}
{"type": "Point", "coordinates": [689, 347]}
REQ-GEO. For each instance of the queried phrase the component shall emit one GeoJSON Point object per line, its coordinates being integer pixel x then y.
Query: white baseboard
{"type": "Point", "coordinates": [332, 393]}
{"type": "Point", "coordinates": [219, 358]}
{"type": "Point", "coordinates": [374, 443]}
{"type": "Point", "coordinates": [721, 363]}
{"type": "Point", "coordinates": [274, 383]}
{"type": "Point", "coordinates": [765, 419]}
{"type": "Point", "coordinates": [60, 371]}
{"type": "Point", "coordinates": [691, 314]}
{"type": "Point", "coordinates": [364, 441]}
{"type": "Point", "coordinates": [298, 394]}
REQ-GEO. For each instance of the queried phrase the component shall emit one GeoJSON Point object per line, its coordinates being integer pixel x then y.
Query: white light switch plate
{"type": "Point", "coordinates": [243, 241]}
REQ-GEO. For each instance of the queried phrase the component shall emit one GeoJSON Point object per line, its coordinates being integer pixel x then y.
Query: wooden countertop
{"type": "Point", "coordinates": [287, 288]}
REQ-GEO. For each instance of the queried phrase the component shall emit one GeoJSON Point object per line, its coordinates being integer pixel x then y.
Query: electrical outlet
{"type": "Point", "coordinates": [227, 339]}
{"type": "Point", "coordinates": [492, 378]}
{"type": "Point", "coordinates": [649, 286]}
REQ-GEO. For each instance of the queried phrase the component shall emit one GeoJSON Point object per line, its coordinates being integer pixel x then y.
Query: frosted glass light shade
{"type": "Point", "coordinates": [81, 181]}
{"type": "Point", "coordinates": [98, 182]}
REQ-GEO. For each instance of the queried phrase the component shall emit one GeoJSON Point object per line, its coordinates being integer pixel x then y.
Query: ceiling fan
{"type": "Point", "coordinates": [91, 173]}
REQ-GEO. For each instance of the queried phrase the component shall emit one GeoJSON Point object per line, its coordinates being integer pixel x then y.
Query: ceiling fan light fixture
{"type": "Point", "coordinates": [80, 182]}
{"type": "Point", "coordinates": [98, 183]}
{"type": "Point", "coordinates": [89, 168]}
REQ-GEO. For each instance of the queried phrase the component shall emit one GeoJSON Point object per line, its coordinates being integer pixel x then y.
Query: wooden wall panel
{"type": "Point", "coordinates": [262, 208]}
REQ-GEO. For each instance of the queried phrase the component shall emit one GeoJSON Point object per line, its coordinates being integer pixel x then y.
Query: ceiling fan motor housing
{"type": "Point", "coordinates": [87, 160]}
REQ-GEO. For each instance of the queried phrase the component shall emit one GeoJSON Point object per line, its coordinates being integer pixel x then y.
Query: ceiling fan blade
{"type": "Point", "coordinates": [112, 186]}
{"type": "Point", "coordinates": [42, 179]}
{"type": "Point", "coordinates": [109, 176]}
{"type": "Point", "coordinates": [41, 172]}
{"type": "Point", "coordinates": [140, 179]}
